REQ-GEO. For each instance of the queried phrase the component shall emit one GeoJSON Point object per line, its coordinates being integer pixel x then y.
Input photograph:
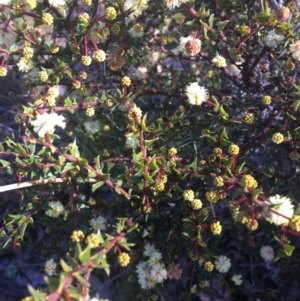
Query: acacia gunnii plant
{"type": "Point", "coordinates": [159, 144]}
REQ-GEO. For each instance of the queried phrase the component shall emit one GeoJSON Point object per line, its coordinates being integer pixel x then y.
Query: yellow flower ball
{"type": "Point", "coordinates": [123, 259]}
{"type": "Point", "coordinates": [87, 2]}
{"type": "Point", "coordinates": [249, 117]}
{"type": "Point", "coordinates": [212, 196]}
{"type": "Point", "coordinates": [54, 48]}
{"type": "Point", "coordinates": [111, 13]}
{"type": "Point", "coordinates": [3, 71]}
{"type": "Point", "coordinates": [278, 138]}
{"type": "Point", "coordinates": [31, 4]}
{"type": "Point", "coordinates": [219, 181]}
{"type": "Point", "coordinates": [188, 195]}
{"type": "Point", "coordinates": [248, 181]}
{"type": "Point", "coordinates": [209, 266]}
{"type": "Point", "coordinates": [233, 149]}
{"type": "Point", "coordinates": [28, 52]}
{"type": "Point", "coordinates": [43, 76]}
{"type": "Point", "coordinates": [266, 100]}
{"type": "Point", "coordinates": [126, 81]}
{"type": "Point", "coordinates": [172, 151]}
{"type": "Point", "coordinates": [47, 19]}
{"type": "Point", "coordinates": [294, 156]}
{"type": "Point", "coordinates": [252, 225]}
{"type": "Point", "coordinates": [77, 236]}
{"type": "Point", "coordinates": [77, 84]}
{"type": "Point", "coordinates": [93, 240]}
{"type": "Point", "coordinates": [90, 112]}
{"type": "Point", "coordinates": [216, 228]}
{"type": "Point", "coordinates": [294, 223]}
{"type": "Point", "coordinates": [115, 29]}
{"type": "Point", "coordinates": [100, 56]}
{"type": "Point", "coordinates": [196, 204]}
{"type": "Point", "coordinates": [179, 18]}
{"type": "Point", "coordinates": [86, 60]}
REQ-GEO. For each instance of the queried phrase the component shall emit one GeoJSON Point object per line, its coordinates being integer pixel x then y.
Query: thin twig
{"type": "Point", "coordinates": [35, 183]}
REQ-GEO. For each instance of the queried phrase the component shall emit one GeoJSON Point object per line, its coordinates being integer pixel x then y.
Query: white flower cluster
{"type": "Point", "coordinates": [92, 127]}
{"type": "Point", "coordinates": [222, 264]}
{"type": "Point", "coordinates": [57, 3]}
{"type": "Point", "coordinates": [237, 279]}
{"type": "Point", "coordinates": [136, 7]}
{"type": "Point", "coordinates": [295, 50]}
{"type": "Point", "coordinates": [272, 39]}
{"type": "Point", "coordinates": [98, 223]}
{"type": "Point", "coordinates": [4, 2]}
{"type": "Point", "coordinates": [46, 123]}
{"type": "Point", "coordinates": [132, 142]}
{"type": "Point", "coordinates": [153, 270]}
{"type": "Point", "coordinates": [267, 253]}
{"type": "Point", "coordinates": [56, 209]}
{"type": "Point", "coordinates": [171, 4]}
{"type": "Point", "coordinates": [219, 61]}
{"type": "Point", "coordinates": [196, 94]}
{"type": "Point", "coordinates": [50, 267]}
{"type": "Point", "coordinates": [280, 210]}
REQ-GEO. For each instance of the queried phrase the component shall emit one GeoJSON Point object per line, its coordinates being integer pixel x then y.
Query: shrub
{"type": "Point", "coordinates": [160, 145]}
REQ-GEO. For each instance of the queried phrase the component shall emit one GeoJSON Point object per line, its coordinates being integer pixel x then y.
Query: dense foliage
{"type": "Point", "coordinates": [159, 145]}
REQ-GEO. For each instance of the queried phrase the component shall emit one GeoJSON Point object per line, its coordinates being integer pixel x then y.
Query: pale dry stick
{"type": "Point", "coordinates": [51, 181]}
{"type": "Point", "coordinates": [35, 183]}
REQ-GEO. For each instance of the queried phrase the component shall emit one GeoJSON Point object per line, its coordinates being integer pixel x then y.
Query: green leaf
{"type": "Point", "coordinates": [82, 280]}
{"type": "Point", "coordinates": [194, 165]}
{"type": "Point", "coordinates": [228, 170]}
{"type": "Point", "coordinates": [150, 142]}
{"type": "Point", "coordinates": [153, 164]}
{"type": "Point", "coordinates": [97, 185]}
{"type": "Point", "coordinates": [211, 20]}
{"type": "Point", "coordinates": [36, 294]}
{"type": "Point", "coordinates": [61, 160]}
{"type": "Point", "coordinates": [75, 151]}
{"type": "Point", "coordinates": [66, 268]}
{"type": "Point", "coordinates": [222, 25]}
{"type": "Point", "coordinates": [296, 104]}
{"type": "Point", "coordinates": [4, 163]}
{"type": "Point", "coordinates": [133, 227]}
{"type": "Point", "coordinates": [223, 112]}
{"type": "Point", "coordinates": [91, 174]}
{"type": "Point", "coordinates": [225, 142]}
{"type": "Point", "coordinates": [256, 193]}
{"type": "Point", "coordinates": [85, 255]}
{"type": "Point", "coordinates": [16, 217]}
{"type": "Point", "coordinates": [69, 166]}
{"type": "Point", "coordinates": [239, 167]}
{"type": "Point", "coordinates": [280, 254]}
{"type": "Point", "coordinates": [214, 99]}
{"type": "Point", "coordinates": [7, 242]}
{"type": "Point", "coordinates": [13, 48]}
{"type": "Point", "coordinates": [291, 116]}
{"type": "Point", "coordinates": [224, 133]}
{"type": "Point", "coordinates": [205, 26]}
{"type": "Point", "coordinates": [68, 102]}
{"type": "Point", "coordinates": [82, 162]}
{"type": "Point", "coordinates": [187, 235]}
{"type": "Point", "coordinates": [78, 250]}
{"type": "Point", "coordinates": [289, 249]}
{"type": "Point", "coordinates": [20, 148]}
{"type": "Point", "coordinates": [105, 153]}
{"type": "Point", "coordinates": [97, 163]}
{"type": "Point", "coordinates": [143, 123]}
